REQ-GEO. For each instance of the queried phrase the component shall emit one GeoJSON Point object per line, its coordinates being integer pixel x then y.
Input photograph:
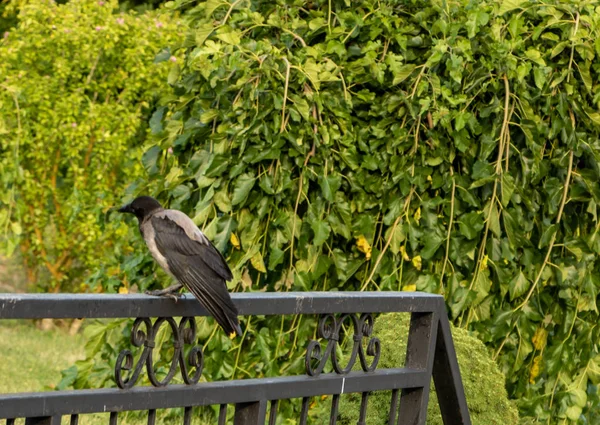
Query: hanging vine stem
{"type": "Point", "coordinates": [389, 241]}
{"type": "Point", "coordinates": [231, 7]}
{"type": "Point", "coordinates": [553, 239]}
{"type": "Point", "coordinates": [548, 252]}
{"type": "Point", "coordinates": [449, 227]}
{"type": "Point", "coordinates": [503, 140]}
{"type": "Point", "coordinates": [573, 46]}
{"type": "Point", "coordinates": [285, 93]}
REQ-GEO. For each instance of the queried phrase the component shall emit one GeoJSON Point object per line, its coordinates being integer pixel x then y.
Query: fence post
{"type": "Point", "coordinates": [253, 413]}
{"type": "Point", "coordinates": [419, 355]}
{"type": "Point", "coordinates": [446, 376]}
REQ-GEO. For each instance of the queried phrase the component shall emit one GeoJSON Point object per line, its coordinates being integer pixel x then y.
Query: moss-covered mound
{"type": "Point", "coordinates": [484, 383]}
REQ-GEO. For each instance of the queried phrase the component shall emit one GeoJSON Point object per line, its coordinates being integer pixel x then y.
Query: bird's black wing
{"type": "Point", "coordinates": [198, 265]}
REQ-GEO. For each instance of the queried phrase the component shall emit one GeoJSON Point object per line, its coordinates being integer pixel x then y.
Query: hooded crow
{"type": "Point", "coordinates": [184, 252]}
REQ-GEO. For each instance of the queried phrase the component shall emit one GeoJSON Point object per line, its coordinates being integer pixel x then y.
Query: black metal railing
{"type": "Point", "coordinates": [430, 353]}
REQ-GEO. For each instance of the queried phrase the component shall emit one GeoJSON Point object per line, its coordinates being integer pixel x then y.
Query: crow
{"type": "Point", "coordinates": [184, 252]}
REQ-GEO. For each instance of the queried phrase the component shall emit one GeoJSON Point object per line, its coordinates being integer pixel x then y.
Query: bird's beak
{"type": "Point", "coordinates": [125, 209]}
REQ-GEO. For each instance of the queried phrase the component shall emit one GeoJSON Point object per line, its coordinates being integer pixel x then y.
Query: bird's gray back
{"type": "Point", "coordinates": [186, 223]}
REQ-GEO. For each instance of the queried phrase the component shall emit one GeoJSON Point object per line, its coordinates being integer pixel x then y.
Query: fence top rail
{"type": "Point", "coordinates": [64, 306]}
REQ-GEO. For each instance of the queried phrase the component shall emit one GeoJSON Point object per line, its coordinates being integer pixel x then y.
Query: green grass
{"type": "Point", "coordinates": [31, 360]}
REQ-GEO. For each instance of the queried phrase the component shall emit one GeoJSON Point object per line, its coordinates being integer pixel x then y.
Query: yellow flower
{"type": "Point", "coordinates": [417, 262]}
{"type": "Point", "coordinates": [539, 338]}
{"type": "Point", "coordinates": [417, 215]}
{"type": "Point", "coordinates": [363, 246]}
{"type": "Point", "coordinates": [404, 254]}
{"type": "Point", "coordinates": [484, 262]}
{"type": "Point", "coordinates": [535, 370]}
{"type": "Point", "coordinates": [410, 288]}
{"type": "Point", "coordinates": [234, 240]}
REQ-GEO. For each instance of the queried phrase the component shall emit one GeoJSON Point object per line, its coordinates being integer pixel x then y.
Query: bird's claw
{"type": "Point", "coordinates": [161, 293]}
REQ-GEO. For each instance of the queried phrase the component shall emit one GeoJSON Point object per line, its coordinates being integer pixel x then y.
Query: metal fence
{"type": "Point", "coordinates": [430, 352]}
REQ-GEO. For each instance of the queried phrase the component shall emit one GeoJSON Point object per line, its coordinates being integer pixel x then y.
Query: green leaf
{"type": "Point", "coordinates": [482, 286]}
{"type": "Point", "coordinates": [330, 185]}
{"type": "Point", "coordinates": [275, 258]}
{"type": "Point", "coordinates": [547, 236]}
{"type": "Point", "coordinates": [403, 73]}
{"type": "Point", "coordinates": [243, 186]}
{"type": "Point", "coordinates": [471, 224]}
{"type": "Point", "coordinates": [586, 77]}
{"type": "Point", "coordinates": [397, 238]}
{"type": "Point", "coordinates": [203, 32]}
{"type": "Point", "coordinates": [508, 187]}
{"type": "Point", "coordinates": [222, 201]}
{"type": "Point", "coordinates": [557, 50]}
{"type": "Point", "coordinates": [163, 55]}
{"type": "Point", "coordinates": [594, 116]}
{"type": "Point", "coordinates": [508, 5]}
{"type": "Point", "coordinates": [258, 262]}
{"type": "Point", "coordinates": [225, 226]}
{"type": "Point", "coordinates": [494, 219]}
{"type": "Point", "coordinates": [16, 228]}
{"type": "Point", "coordinates": [95, 335]}
{"type": "Point", "coordinates": [432, 241]}
{"type": "Point", "coordinates": [321, 230]}
{"type": "Point", "coordinates": [518, 285]}
{"type": "Point", "coordinates": [174, 74]}
{"type": "Point", "coordinates": [229, 36]}
{"type": "Point", "coordinates": [539, 77]}
{"type": "Point", "coordinates": [156, 120]}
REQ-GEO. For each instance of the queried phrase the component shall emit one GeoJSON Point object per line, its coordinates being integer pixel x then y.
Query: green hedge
{"type": "Point", "coordinates": [77, 86]}
{"type": "Point", "coordinates": [483, 382]}
{"type": "Point", "coordinates": [450, 147]}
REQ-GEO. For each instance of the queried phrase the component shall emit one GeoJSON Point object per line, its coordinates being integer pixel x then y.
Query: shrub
{"type": "Point", "coordinates": [448, 147]}
{"type": "Point", "coordinates": [77, 85]}
{"type": "Point", "coordinates": [483, 382]}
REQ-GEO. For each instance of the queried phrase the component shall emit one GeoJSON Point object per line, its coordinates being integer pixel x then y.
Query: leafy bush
{"type": "Point", "coordinates": [483, 382]}
{"type": "Point", "coordinates": [78, 83]}
{"type": "Point", "coordinates": [448, 147]}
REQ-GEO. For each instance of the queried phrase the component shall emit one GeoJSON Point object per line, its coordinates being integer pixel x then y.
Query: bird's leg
{"type": "Point", "coordinates": [170, 292]}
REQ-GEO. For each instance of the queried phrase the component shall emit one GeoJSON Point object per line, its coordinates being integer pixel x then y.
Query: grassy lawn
{"type": "Point", "coordinates": [32, 359]}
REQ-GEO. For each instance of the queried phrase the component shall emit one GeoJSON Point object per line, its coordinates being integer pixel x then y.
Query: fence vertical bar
{"type": "Point", "coordinates": [419, 355]}
{"type": "Point", "coordinates": [335, 403]}
{"type": "Point", "coordinates": [222, 414]}
{"type": "Point", "coordinates": [253, 413]}
{"type": "Point", "coordinates": [187, 415]}
{"type": "Point", "coordinates": [393, 407]}
{"type": "Point", "coordinates": [304, 410]}
{"type": "Point", "coordinates": [363, 409]}
{"type": "Point", "coordinates": [447, 380]}
{"type": "Point", "coordinates": [273, 412]}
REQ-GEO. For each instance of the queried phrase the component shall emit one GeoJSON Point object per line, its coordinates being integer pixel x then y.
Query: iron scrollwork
{"type": "Point", "coordinates": [329, 329]}
{"type": "Point", "coordinates": [184, 333]}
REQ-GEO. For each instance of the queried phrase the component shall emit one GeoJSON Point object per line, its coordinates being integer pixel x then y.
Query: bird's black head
{"type": "Point", "coordinates": [141, 207]}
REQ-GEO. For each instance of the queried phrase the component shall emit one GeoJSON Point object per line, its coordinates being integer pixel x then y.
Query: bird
{"type": "Point", "coordinates": [184, 252]}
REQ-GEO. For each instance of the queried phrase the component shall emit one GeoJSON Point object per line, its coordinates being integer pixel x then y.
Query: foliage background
{"type": "Point", "coordinates": [448, 147]}
{"type": "Point", "coordinates": [77, 86]}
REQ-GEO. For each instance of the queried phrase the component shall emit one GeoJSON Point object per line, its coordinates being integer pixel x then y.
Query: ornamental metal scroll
{"type": "Point", "coordinates": [184, 333]}
{"type": "Point", "coordinates": [329, 329]}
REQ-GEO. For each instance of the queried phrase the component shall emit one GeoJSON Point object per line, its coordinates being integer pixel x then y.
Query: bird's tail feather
{"type": "Point", "coordinates": [220, 306]}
